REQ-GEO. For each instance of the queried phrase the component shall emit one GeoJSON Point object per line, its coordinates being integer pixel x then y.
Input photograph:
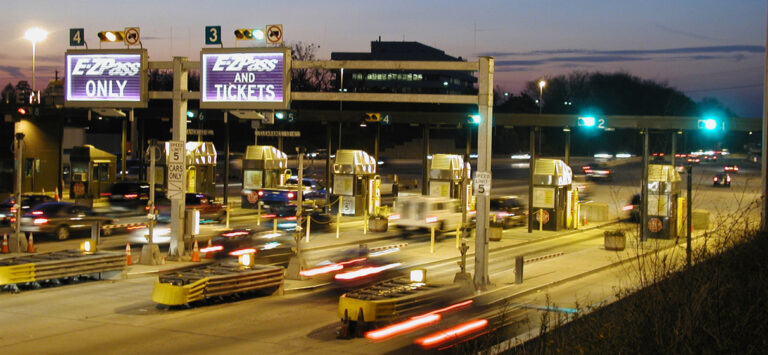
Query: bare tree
{"type": "Point", "coordinates": [309, 79]}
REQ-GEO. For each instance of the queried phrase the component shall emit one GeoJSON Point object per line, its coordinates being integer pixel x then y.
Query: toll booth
{"type": "Point", "coordinates": [664, 184]}
{"type": "Point", "coordinates": [355, 182]}
{"type": "Point", "coordinates": [93, 173]}
{"type": "Point", "coordinates": [201, 167]}
{"type": "Point", "coordinates": [445, 174]}
{"type": "Point", "coordinates": [553, 200]}
{"type": "Point", "coordinates": [263, 168]}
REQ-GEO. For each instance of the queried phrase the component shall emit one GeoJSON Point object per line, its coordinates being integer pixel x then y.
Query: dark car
{"type": "Point", "coordinates": [130, 196]}
{"type": "Point", "coordinates": [596, 171]}
{"type": "Point", "coordinates": [722, 179]}
{"type": "Point", "coordinates": [61, 219]}
{"type": "Point", "coordinates": [270, 247]}
{"type": "Point", "coordinates": [633, 208]}
{"type": "Point", "coordinates": [27, 201]}
{"type": "Point", "coordinates": [509, 210]}
{"type": "Point", "coordinates": [209, 209]}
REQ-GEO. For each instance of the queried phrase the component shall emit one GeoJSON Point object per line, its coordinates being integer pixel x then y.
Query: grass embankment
{"type": "Point", "coordinates": [718, 306]}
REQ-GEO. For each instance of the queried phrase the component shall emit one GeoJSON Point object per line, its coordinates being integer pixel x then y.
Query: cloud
{"type": "Point", "coordinates": [685, 33]}
{"type": "Point", "coordinates": [13, 71]}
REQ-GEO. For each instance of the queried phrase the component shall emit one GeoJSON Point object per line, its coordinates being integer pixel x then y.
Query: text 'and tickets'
{"type": "Point", "coordinates": [104, 77]}
{"type": "Point", "coordinates": [243, 77]}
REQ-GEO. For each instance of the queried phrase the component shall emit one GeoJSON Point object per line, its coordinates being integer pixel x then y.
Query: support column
{"type": "Point", "coordinates": [674, 147]}
{"type": "Point", "coordinates": [376, 143]}
{"type": "Point", "coordinates": [567, 146]}
{"type": "Point", "coordinates": [484, 154]}
{"type": "Point", "coordinates": [16, 238]}
{"type": "Point", "coordinates": [135, 151]}
{"type": "Point", "coordinates": [531, 167]}
{"type": "Point", "coordinates": [123, 148]}
{"type": "Point", "coordinates": [180, 77]}
{"type": "Point", "coordinates": [226, 159]}
{"type": "Point", "coordinates": [424, 160]}
{"type": "Point", "coordinates": [644, 188]}
{"type": "Point", "coordinates": [329, 142]}
{"type": "Point", "coordinates": [764, 150]}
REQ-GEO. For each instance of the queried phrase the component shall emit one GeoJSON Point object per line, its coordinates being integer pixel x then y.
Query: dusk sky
{"type": "Point", "coordinates": [706, 48]}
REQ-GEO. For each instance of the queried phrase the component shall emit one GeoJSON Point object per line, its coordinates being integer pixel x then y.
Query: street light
{"type": "Point", "coordinates": [35, 35]}
{"type": "Point", "coordinates": [542, 84]}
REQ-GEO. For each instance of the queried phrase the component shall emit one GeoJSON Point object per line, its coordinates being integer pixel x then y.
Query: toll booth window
{"type": "Point", "coordinates": [192, 199]}
{"type": "Point", "coordinates": [29, 165]}
{"type": "Point", "coordinates": [271, 179]}
{"type": "Point", "coordinates": [252, 179]}
{"type": "Point", "coordinates": [103, 172]}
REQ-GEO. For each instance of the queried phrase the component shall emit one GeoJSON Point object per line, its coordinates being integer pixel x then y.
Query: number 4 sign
{"type": "Point", "coordinates": [76, 37]}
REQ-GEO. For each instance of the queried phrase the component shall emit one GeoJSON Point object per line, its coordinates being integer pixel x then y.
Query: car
{"type": "Point", "coordinates": [209, 209]}
{"type": "Point", "coordinates": [61, 219]}
{"type": "Point", "coordinates": [734, 169]}
{"type": "Point", "coordinates": [595, 171]}
{"type": "Point", "coordinates": [7, 210]}
{"type": "Point", "coordinates": [270, 247]}
{"type": "Point", "coordinates": [130, 196]}
{"type": "Point", "coordinates": [509, 210]}
{"type": "Point", "coordinates": [721, 179]}
{"type": "Point", "coordinates": [693, 160]}
{"type": "Point", "coordinates": [633, 208]}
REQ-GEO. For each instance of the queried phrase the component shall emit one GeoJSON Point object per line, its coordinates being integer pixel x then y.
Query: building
{"type": "Point", "coordinates": [402, 81]}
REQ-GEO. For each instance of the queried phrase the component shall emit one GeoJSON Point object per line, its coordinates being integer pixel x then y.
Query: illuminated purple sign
{"type": "Point", "coordinates": [243, 79]}
{"type": "Point", "coordinates": [111, 78]}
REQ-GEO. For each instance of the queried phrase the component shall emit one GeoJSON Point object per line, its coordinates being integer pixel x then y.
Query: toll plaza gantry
{"type": "Point", "coordinates": [265, 86]}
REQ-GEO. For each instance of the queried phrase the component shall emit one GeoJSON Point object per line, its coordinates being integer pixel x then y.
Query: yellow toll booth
{"type": "Point", "coordinates": [553, 200]}
{"type": "Point", "coordinates": [93, 172]}
{"type": "Point", "coordinates": [201, 167]}
{"type": "Point", "coordinates": [663, 201]}
{"type": "Point", "coordinates": [355, 182]}
{"type": "Point", "coordinates": [446, 172]}
{"type": "Point", "coordinates": [263, 168]}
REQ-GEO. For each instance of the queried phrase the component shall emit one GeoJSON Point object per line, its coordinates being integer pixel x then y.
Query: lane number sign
{"type": "Point", "coordinates": [212, 35]}
{"type": "Point", "coordinates": [76, 37]}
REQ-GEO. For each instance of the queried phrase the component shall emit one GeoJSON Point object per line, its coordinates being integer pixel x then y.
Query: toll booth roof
{"type": "Point", "coordinates": [89, 152]}
{"type": "Point", "coordinates": [446, 166]}
{"type": "Point", "coordinates": [663, 173]}
{"type": "Point", "coordinates": [273, 158]}
{"type": "Point", "coordinates": [552, 172]}
{"type": "Point", "coordinates": [350, 161]}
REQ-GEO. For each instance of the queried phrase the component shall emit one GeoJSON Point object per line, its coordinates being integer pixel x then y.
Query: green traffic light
{"type": "Point", "coordinates": [190, 114]}
{"type": "Point", "coordinates": [586, 121]}
{"type": "Point", "coordinates": [280, 115]}
{"type": "Point", "coordinates": [475, 119]}
{"type": "Point", "coordinates": [710, 124]}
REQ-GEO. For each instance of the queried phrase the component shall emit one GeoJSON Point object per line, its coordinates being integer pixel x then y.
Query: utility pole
{"type": "Point", "coordinates": [764, 149]}
{"type": "Point", "coordinates": [484, 155]}
{"type": "Point", "coordinates": [531, 168]}
{"type": "Point", "coordinates": [150, 252]}
{"type": "Point", "coordinates": [644, 188]}
{"type": "Point", "coordinates": [297, 263]}
{"type": "Point", "coordinates": [689, 216]}
{"type": "Point", "coordinates": [226, 160]}
{"type": "Point", "coordinates": [180, 77]}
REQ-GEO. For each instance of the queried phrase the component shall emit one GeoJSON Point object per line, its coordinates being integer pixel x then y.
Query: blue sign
{"type": "Point", "coordinates": [385, 119]}
{"type": "Point", "coordinates": [212, 35]}
{"type": "Point", "coordinates": [76, 37]}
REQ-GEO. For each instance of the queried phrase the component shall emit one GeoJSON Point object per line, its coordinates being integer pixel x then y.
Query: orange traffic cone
{"type": "Point", "coordinates": [5, 244]}
{"type": "Point", "coordinates": [162, 260]}
{"type": "Point", "coordinates": [128, 260]}
{"type": "Point", "coordinates": [57, 198]}
{"type": "Point", "coordinates": [31, 244]}
{"type": "Point", "coordinates": [195, 252]}
{"type": "Point", "coordinates": [585, 220]}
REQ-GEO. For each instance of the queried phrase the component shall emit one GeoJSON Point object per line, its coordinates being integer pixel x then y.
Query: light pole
{"type": "Point", "coordinates": [542, 84]}
{"type": "Point", "coordinates": [35, 35]}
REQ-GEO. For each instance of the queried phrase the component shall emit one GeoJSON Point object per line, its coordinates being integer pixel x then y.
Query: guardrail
{"type": "Point", "coordinates": [215, 280]}
{"type": "Point", "coordinates": [54, 266]}
{"type": "Point", "coordinates": [388, 300]}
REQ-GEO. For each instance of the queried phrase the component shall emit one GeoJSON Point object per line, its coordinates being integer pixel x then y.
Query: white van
{"type": "Point", "coordinates": [422, 212]}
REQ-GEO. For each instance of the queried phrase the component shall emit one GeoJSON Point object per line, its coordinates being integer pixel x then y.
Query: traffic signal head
{"type": "Point", "coordinates": [475, 119]}
{"type": "Point", "coordinates": [249, 33]}
{"type": "Point", "coordinates": [22, 111]}
{"type": "Point", "coordinates": [586, 121]}
{"type": "Point", "coordinates": [111, 36]}
{"type": "Point", "coordinates": [708, 124]}
{"type": "Point", "coordinates": [372, 117]}
{"type": "Point", "coordinates": [279, 115]}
